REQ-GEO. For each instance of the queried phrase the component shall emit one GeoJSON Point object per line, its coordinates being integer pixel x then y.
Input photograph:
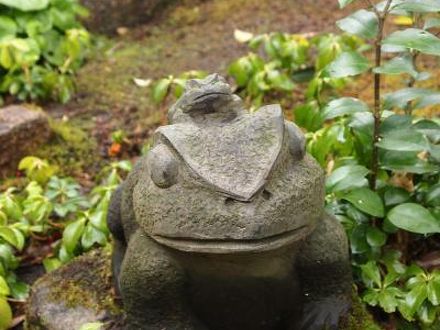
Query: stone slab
{"type": "Point", "coordinates": [21, 131]}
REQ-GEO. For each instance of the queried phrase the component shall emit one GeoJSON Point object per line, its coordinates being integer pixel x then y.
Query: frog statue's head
{"type": "Point", "coordinates": [219, 179]}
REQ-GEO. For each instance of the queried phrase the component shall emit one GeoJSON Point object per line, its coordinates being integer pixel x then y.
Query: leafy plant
{"type": "Point", "coordinates": [41, 46]}
{"type": "Point", "coordinates": [384, 162]}
{"type": "Point", "coordinates": [52, 210]}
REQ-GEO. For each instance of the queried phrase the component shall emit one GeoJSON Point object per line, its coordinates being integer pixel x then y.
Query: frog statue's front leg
{"type": "Point", "coordinates": [325, 273]}
{"type": "Point", "coordinates": [152, 287]}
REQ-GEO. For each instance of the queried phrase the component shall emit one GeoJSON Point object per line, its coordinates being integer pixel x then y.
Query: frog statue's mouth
{"type": "Point", "coordinates": [234, 246]}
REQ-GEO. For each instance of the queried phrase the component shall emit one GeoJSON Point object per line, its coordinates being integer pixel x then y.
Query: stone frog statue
{"type": "Point", "coordinates": [222, 225]}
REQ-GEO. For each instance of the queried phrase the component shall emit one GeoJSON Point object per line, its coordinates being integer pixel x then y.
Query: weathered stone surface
{"type": "Point", "coordinates": [222, 224]}
{"type": "Point", "coordinates": [77, 293]}
{"type": "Point", "coordinates": [107, 15]}
{"type": "Point", "coordinates": [21, 131]}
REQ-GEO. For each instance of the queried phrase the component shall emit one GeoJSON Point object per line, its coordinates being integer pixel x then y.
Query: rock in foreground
{"type": "Point", "coordinates": [78, 293]}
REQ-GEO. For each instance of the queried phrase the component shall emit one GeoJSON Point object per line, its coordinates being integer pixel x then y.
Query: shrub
{"type": "Point", "coordinates": [41, 46]}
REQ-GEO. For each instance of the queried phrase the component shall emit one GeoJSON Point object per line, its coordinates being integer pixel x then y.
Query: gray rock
{"type": "Point", "coordinates": [107, 15]}
{"type": "Point", "coordinates": [78, 293]}
{"type": "Point", "coordinates": [222, 224]}
{"type": "Point", "coordinates": [21, 131]}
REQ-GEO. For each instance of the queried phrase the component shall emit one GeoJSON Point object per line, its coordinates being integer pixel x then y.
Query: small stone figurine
{"type": "Point", "coordinates": [222, 225]}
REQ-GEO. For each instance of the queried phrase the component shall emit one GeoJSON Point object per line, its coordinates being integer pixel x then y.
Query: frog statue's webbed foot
{"type": "Point", "coordinates": [325, 313]}
{"type": "Point", "coordinates": [325, 273]}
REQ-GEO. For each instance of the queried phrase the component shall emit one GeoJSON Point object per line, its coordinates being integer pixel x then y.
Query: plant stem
{"type": "Point", "coordinates": [377, 92]}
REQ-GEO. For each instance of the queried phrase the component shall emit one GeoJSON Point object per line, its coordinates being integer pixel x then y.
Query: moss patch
{"type": "Point", "coordinates": [359, 317]}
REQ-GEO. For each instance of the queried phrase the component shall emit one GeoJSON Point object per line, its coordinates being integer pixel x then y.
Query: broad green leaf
{"type": "Point", "coordinates": [8, 27]}
{"type": "Point", "coordinates": [26, 5]}
{"type": "Point", "coordinates": [280, 80]}
{"type": "Point", "coordinates": [4, 287]}
{"type": "Point", "coordinates": [376, 237]}
{"type": "Point", "coordinates": [5, 313]}
{"type": "Point", "coordinates": [362, 23]}
{"type": "Point", "coordinates": [160, 89]}
{"type": "Point", "coordinates": [91, 236]}
{"type": "Point", "coordinates": [404, 140]}
{"type": "Point", "coordinates": [366, 200]}
{"type": "Point", "coordinates": [387, 299]}
{"type": "Point", "coordinates": [395, 195]}
{"type": "Point", "coordinates": [9, 236]}
{"type": "Point", "coordinates": [418, 6]}
{"type": "Point", "coordinates": [343, 106]}
{"type": "Point", "coordinates": [429, 128]}
{"type": "Point", "coordinates": [405, 161]}
{"type": "Point", "coordinates": [72, 234]}
{"type": "Point", "coordinates": [427, 313]}
{"type": "Point", "coordinates": [417, 39]}
{"type": "Point", "coordinates": [432, 197]}
{"type": "Point", "coordinates": [343, 3]}
{"type": "Point", "coordinates": [394, 123]}
{"type": "Point", "coordinates": [348, 64]}
{"type": "Point", "coordinates": [358, 240]}
{"type": "Point", "coordinates": [401, 97]}
{"type": "Point", "coordinates": [308, 116]}
{"type": "Point", "coordinates": [414, 218]}
{"type": "Point", "coordinates": [51, 264]}
{"type": "Point", "coordinates": [431, 22]}
{"type": "Point", "coordinates": [19, 290]}
{"type": "Point", "coordinates": [434, 291]}
{"type": "Point", "coordinates": [241, 70]}
{"type": "Point", "coordinates": [416, 297]}
{"type": "Point", "coordinates": [371, 274]}
{"type": "Point", "coordinates": [346, 177]}
{"type": "Point", "coordinates": [398, 65]}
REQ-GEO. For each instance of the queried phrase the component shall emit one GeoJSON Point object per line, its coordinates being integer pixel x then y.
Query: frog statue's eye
{"type": "Point", "coordinates": [164, 167]}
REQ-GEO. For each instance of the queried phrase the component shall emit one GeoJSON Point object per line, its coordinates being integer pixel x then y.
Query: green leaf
{"type": "Point", "coordinates": [8, 27]}
{"type": "Point", "coordinates": [417, 39]}
{"type": "Point", "coordinates": [387, 299]}
{"type": "Point", "coordinates": [6, 314]}
{"type": "Point", "coordinates": [362, 23]}
{"type": "Point", "coordinates": [394, 196]}
{"type": "Point", "coordinates": [347, 177]}
{"type": "Point", "coordinates": [241, 70]}
{"type": "Point", "coordinates": [348, 64]}
{"type": "Point", "coordinates": [398, 65]}
{"type": "Point", "coordinates": [92, 236]}
{"type": "Point", "coordinates": [26, 5]}
{"type": "Point", "coordinates": [4, 288]}
{"type": "Point", "coordinates": [376, 237]}
{"type": "Point", "coordinates": [418, 6]}
{"type": "Point", "coordinates": [371, 274]}
{"type": "Point", "coordinates": [72, 233]}
{"type": "Point", "coordinates": [431, 22]}
{"type": "Point", "coordinates": [9, 236]}
{"type": "Point", "coordinates": [414, 218]}
{"type": "Point", "coordinates": [434, 291]}
{"type": "Point", "coordinates": [343, 3]}
{"type": "Point", "coordinates": [415, 298]}
{"type": "Point", "coordinates": [343, 106]}
{"type": "Point", "coordinates": [394, 123]}
{"type": "Point", "coordinates": [432, 197]}
{"type": "Point", "coordinates": [401, 97]}
{"type": "Point", "coordinates": [308, 116]}
{"type": "Point", "coordinates": [366, 200]}
{"type": "Point", "coordinates": [280, 80]}
{"type": "Point", "coordinates": [404, 140]}
{"type": "Point", "coordinates": [160, 90]}
{"type": "Point", "coordinates": [51, 264]}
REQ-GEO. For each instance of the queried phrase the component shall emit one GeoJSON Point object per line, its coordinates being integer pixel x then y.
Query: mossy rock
{"type": "Point", "coordinates": [359, 318]}
{"type": "Point", "coordinates": [77, 293]}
